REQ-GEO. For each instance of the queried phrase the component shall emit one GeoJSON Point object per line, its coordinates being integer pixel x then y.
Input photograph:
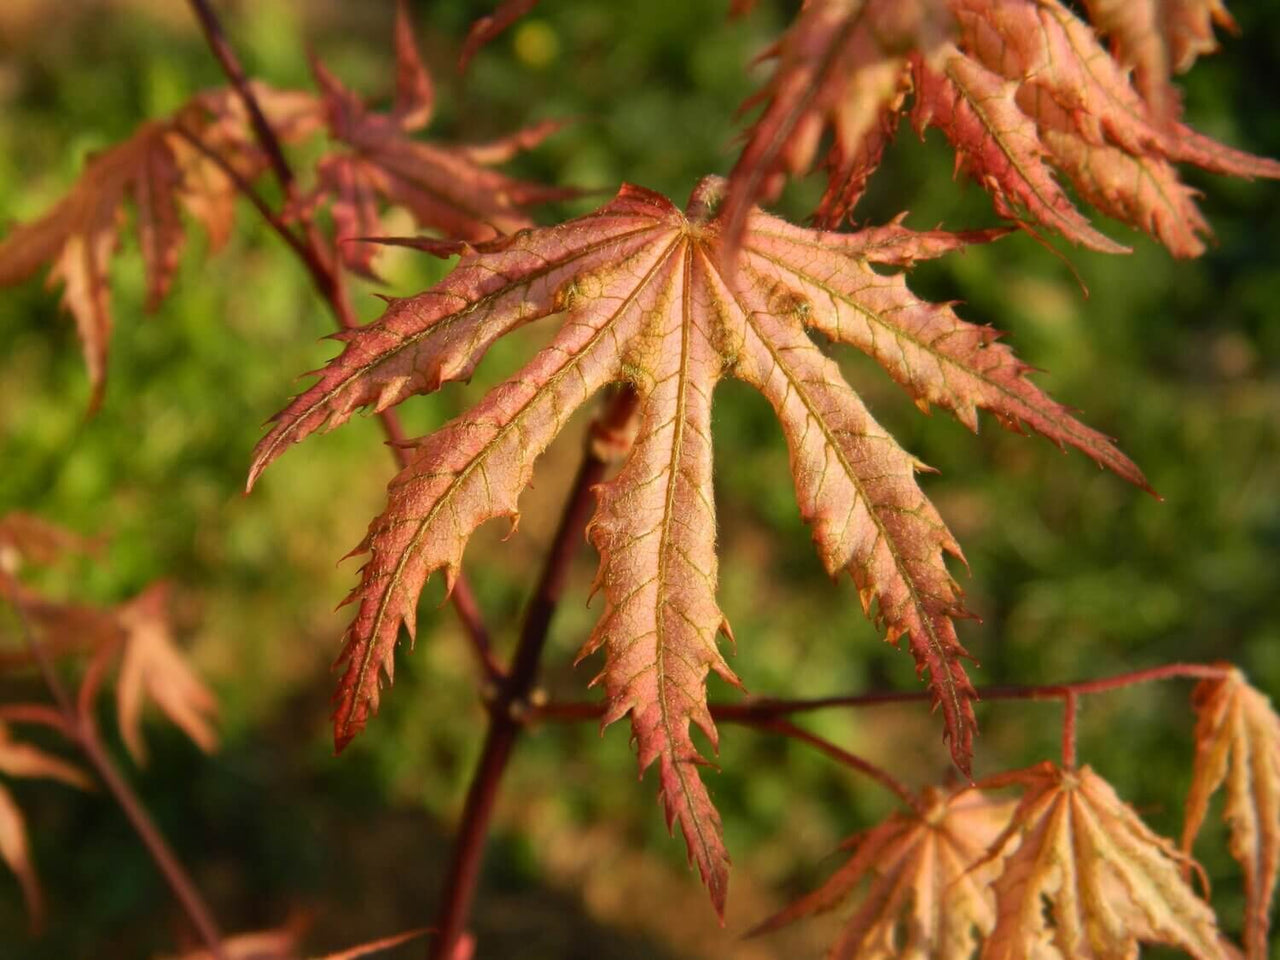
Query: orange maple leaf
{"type": "Point", "coordinates": [444, 187]}
{"type": "Point", "coordinates": [1024, 91]}
{"type": "Point", "coordinates": [152, 666]}
{"type": "Point", "coordinates": [26, 538]}
{"type": "Point", "coordinates": [1238, 744]}
{"type": "Point", "coordinates": [930, 884]}
{"type": "Point", "coordinates": [1158, 38]}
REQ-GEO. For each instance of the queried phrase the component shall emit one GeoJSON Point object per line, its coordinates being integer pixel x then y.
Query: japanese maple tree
{"type": "Point", "coordinates": [1046, 107]}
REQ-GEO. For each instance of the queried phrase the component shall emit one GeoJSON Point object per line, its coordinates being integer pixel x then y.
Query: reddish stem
{"type": "Point", "coordinates": [226, 56]}
{"type": "Point", "coordinates": [1070, 702]}
{"type": "Point", "coordinates": [761, 713]}
{"type": "Point", "coordinates": [510, 706]}
{"type": "Point", "coordinates": [763, 707]}
{"type": "Point", "coordinates": [77, 723]}
{"type": "Point", "coordinates": [326, 275]}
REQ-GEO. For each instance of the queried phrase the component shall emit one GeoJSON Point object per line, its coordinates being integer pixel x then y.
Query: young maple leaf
{"type": "Point", "coordinates": [448, 188]}
{"type": "Point", "coordinates": [930, 891]}
{"type": "Point", "coordinates": [24, 760]}
{"type": "Point", "coordinates": [1026, 91]}
{"type": "Point", "coordinates": [1110, 882]}
{"type": "Point", "coordinates": [1238, 743]}
{"type": "Point", "coordinates": [160, 171]}
{"type": "Point", "coordinates": [644, 302]}
{"type": "Point", "coordinates": [1158, 38]}
{"type": "Point", "coordinates": [152, 666]}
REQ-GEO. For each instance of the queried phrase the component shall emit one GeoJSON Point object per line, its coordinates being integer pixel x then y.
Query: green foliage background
{"type": "Point", "coordinates": [1073, 573]}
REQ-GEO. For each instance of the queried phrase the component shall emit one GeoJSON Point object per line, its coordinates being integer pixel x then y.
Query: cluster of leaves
{"type": "Point", "coordinates": [667, 302]}
{"type": "Point", "coordinates": [1021, 88]}
{"type": "Point", "coordinates": [966, 871]}
{"type": "Point", "coordinates": [197, 159]}
{"type": "Point", "coordinates": [136, 633]}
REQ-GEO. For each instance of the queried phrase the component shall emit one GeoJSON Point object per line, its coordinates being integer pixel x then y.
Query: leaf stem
{"type": "Point", "coordinates": [510, 705]}
{"type": "Point", "coordinates": [78, 725]}
{"type": "Point", "coordinates": [328, 279]}
{"type": "Point", "coordinates": [1070, 703]}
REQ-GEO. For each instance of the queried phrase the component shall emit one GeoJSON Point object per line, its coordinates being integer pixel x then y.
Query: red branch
{"type": "Point", "coordinates": [226, 56]}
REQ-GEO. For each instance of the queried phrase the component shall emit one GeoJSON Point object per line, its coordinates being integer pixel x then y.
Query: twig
{"type": "Point", "coordinates": [510, 705]}
{"type": "Point", "coordinates": [328, 278]}
{"type": "Point", "coordinates": [78, 725]}
{"type": "Point", "coordinates": [761, 712]}
{"type": "Point", "coordinates": [226, 56]}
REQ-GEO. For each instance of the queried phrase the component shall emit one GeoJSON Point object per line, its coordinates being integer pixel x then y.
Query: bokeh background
{"type": "Point", "coordinates": [1073, 573]}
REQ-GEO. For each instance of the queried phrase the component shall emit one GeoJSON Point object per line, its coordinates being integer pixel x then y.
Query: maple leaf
{"type": "Point", "coordinates": [930, 885]}
{"type": "Point", "coordinates": [1026, 92]}
{"type": "Point", "coordinates": [159, 171]}
{"type": "Point", "coordinates": [152, 666]}
{"type": "Point", "coordinates": [445, 187]}
{"type": "Point", "coordinates": [1238, 744]}
{"type": "Point", "coordinates": [645, 303]}
{"type": "Point", "coordinates": [1109, 881]}
{"type": "Point", "coordinates": [23, 760]}
{"type": "Point", "coordinates": [1158, 38]}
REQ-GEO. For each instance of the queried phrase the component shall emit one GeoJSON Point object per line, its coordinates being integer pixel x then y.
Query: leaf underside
{"type": "Point", "coordinates": [643, 301]}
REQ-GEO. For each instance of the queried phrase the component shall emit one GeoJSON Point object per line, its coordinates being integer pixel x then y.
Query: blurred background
{"type": "Point", "coordinates": [1073, 573]}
